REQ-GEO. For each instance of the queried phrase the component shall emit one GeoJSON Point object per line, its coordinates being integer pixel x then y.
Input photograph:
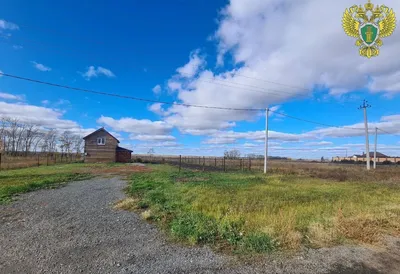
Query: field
{"type": "Point", "coordinates": [292, 206]}
{"type": "Point", "coordinates": [28, 179]}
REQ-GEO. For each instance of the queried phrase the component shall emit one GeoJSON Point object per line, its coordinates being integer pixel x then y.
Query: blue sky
{"type": "Point", "coordinates": [238, 54]}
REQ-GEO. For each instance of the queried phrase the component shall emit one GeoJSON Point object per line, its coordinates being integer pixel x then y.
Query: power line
{"type": "Point", "coordinates": [312, 122]}
{"type": "Point", "coordinates": [165, 102]}
{"type": "Point", "coordinates": [387, 132]}
{"type": "Point", "coordinates": [246, 85]}
{"type": "Point", "coordinates": [126, 96]}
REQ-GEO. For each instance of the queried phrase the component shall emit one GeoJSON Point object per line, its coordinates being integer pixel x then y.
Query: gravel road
{"type": "Point", "coordinates": [74, 229]}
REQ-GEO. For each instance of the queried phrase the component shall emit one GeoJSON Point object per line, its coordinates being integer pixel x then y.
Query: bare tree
{"type": "Point", "coordinates": [77, 142]}
{"type": "Point", "coordinates": [51, 137]}
{"type": "Point", "coordinates": [232, 154]}
{"type": "Point", "coordinates": [31, 134]}
{"type": "Point", "coordinates": [3, 133]}
{"type": "Point", "coordinates": [151, 151]}
{"type": "Point", "coordinates": [66, 140]}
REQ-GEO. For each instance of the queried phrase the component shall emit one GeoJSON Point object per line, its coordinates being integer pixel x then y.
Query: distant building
{"type": "Point", "coordinates": [101, 146]}
{"type": "Point", "coordinates": [380, 158]}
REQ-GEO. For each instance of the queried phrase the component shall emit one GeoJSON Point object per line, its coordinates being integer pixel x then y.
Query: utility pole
{"type": "Point", "coordinates": [376, 143]}
{"type": "Point", "coordinates": [266, 140]}
{"type": "Point", "coordinates": [364, 106]}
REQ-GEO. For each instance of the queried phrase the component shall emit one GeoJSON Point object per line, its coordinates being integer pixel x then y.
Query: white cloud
{"type": "Point", "coordinates": [141, 137]}
{"type": "Point", "coordinates": [96, 72]}
{"type": "Point", "coordinates": [45, 102]}
{"type": "Point", "coordinates": [61, 102]}
{"type": "Point", "coordinates": [39, 115]}
{"type": "Point", "coordinates": [262, 52]}
{"type": "Point", "coordinates": [157, 89]}
{"type": "Point", "coordinates": [4, 25]}
{"type": "Point", "coordinates": [389, 124]}
{"type": "Point", "coordinates": [158, 144]}
{"type": "Point", "coordinates": [174, 85]}
{"type": "Point", "coordinates": [391, 118]}
{"type": "Point", "coordinates": [40, 67]}
{"type": "Point", "coordinates": [17, 47]}
{"type": "Point", "coordinates": [135, 126]}
{"type": "Point", "coordinates": [157, 109]}
{"type": "Point", "coordinates": [322, 143]}
{"type": "Point", "coordinates": [193, 66]}
{"type": "Point", "coordinates": [8, 96]}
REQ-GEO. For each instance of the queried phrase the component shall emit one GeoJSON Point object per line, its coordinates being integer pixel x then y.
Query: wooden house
{"type": "Point", "coordinates": [102, 147]}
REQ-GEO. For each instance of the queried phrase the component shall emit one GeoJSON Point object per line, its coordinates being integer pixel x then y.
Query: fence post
{"type": "Point", "coordinates": [180, 162]}
{"type": "Point", "coordinates": [55, 158]}
{"type": "Point", "coordinates": [249, 164]}
{"type": "Point", "coordinates": [38, 160]}
{"type": "Point", "coordinates": [224, 165]}
{"type": "Point", "coordinates": [215, 161]}
{"type": "Point", "coordinates": [0, 161]}
{"type": "Point", "coordinates": [241, 165]}
{"type": "Point", "coordinates": [204, 162]}
{"type": "Point", "coordinates": [47, 159]}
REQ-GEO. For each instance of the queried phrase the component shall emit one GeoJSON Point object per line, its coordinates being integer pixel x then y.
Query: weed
{"type": "Point", "coordinates": [194, 227]}
{"type": "Point", "coordinates": [259, 243]}
{"type": "Point", "coordinates": [250, 212]}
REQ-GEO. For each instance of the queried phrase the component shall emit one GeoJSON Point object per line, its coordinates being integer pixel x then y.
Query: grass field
{"type": "Point", "coordinates": [28, 179]}
{"type": "Point", "coordinates": [250, 212]}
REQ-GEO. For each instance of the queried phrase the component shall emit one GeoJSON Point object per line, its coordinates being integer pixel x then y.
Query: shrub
{"type": "Point", "coordinates": [138, 160]}
{"type": "Point", "coordinates": [195, 227]}
{"type": "Point", "coordinates": [387, 163]}
{"type": "Point", "coordinates": [232, 231]}
{"type": "Point", "coordinates": [259, 243]}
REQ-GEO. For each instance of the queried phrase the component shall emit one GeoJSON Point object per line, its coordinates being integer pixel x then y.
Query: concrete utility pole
{"type": "Point", "coordinates": [376, 143]}
{"type": "Point", "coordinates": [364, 106]}
{"type": "Point", "coordinates": [266, 140]}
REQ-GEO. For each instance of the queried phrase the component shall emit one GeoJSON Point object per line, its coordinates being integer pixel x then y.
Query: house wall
{"type": "Point", "coordinates": [363, 159]}
{"type": "Point", "coordinates": [123, 156]}
{"type": "Point", "coordinates": [97, 153]}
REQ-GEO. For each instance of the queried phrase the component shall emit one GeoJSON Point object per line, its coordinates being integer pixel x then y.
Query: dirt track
{"type": "Point", "coordinates": [74, 229]}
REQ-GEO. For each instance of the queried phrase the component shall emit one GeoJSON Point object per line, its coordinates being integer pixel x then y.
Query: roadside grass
{"type": "Point", "coordinates": [250, 212]}
{"type": "Point", "coordinates": [29, 179]}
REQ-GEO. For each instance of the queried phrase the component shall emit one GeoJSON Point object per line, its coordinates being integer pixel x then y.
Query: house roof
{"type": "Point", "coordinates": [378, 155]}
{"type": "Point", "coordinates": [371, 154]}
{"type": "Point", "coordinates": [100, 129]}
{"type": "Point", "coordinates": [124, 149]}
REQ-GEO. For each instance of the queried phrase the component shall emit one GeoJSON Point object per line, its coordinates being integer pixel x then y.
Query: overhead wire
{"type": "Point", "coordinates": [387, 132]}
{"type": "Point", "coordinates": [167, 102]}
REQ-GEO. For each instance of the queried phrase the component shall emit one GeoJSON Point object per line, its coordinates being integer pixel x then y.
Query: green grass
{"type": "Point", "coordinates": [29, 179]}
{"type": "Point", "coordinates": [246, 212]}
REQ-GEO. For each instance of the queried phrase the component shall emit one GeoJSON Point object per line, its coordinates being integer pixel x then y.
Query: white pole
{"type": "Point", "coordinates": [266, 140]}
{"type": "Point", "coordinates": [367, 139]}
{"type": "Point", "coordinates": [376, 142]}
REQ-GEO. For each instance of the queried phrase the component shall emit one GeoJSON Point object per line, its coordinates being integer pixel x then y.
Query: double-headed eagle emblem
{"type": "Point", "coordinates": [369, 25]}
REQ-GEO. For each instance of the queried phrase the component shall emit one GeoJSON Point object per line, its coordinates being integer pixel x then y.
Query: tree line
{"type": "Point", "coordinates": [19, 138]}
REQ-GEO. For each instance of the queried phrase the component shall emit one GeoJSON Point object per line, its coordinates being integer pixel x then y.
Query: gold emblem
{"type": "Point", "coordinates": [369, 25]}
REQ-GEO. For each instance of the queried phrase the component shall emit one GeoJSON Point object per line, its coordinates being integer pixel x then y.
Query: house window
{"type": "Point", "coordinates": [101, 141]}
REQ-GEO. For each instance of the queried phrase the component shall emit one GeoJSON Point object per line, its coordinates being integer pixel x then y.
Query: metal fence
{"type": "Point", "coordinates": [241, 164]}
{"type": "Point", "coordinates": [15, 161]}
{"type": "Point", "coordinates": [206, 163]}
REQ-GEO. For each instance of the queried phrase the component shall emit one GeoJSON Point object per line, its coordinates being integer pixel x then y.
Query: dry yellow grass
{"type": "Point", "coordinates": [294, 207]}
{"type": "Point", "coordinates": [126, 204]}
